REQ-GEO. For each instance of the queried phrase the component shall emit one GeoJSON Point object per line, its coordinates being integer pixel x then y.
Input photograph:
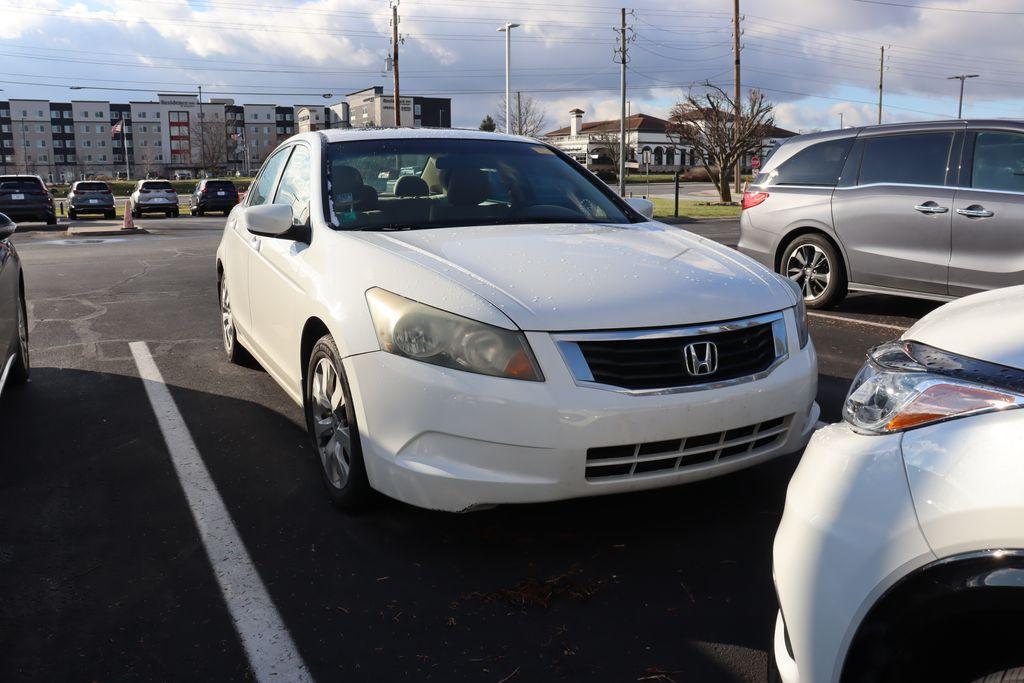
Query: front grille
{"type": "Point", "coordinates": [659, 363]}
{"type": "Point", "coordinates": [674, 455]}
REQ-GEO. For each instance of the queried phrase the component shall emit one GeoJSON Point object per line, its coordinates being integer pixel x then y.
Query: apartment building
{"type": "Point", "coordinates": [370, 107]}
{"type": "Point", "coordinates": [65, 141]}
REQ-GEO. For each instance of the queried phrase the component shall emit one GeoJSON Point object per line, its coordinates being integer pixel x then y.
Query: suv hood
{"type": "Point", "coordinates": [558, 277]}
{"type": "Point", "coordinates": [987, 326]}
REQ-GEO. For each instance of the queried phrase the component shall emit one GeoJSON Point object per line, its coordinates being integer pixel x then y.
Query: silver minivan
{"type": "Point", "coordinates": [932, 210]}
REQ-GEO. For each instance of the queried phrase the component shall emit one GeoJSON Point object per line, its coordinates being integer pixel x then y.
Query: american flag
{"type": "Point", "coordinates": [116, 128]}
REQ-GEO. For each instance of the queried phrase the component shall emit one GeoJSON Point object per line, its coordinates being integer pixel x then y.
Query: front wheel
{"type": "Point", "coordinates": [814, 265]}
{"type": "Point", "coordinates": [331, 422]}
{"type": "Point", "coordinates": [236, 354]}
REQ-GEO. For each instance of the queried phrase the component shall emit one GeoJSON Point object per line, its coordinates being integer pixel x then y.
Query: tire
{"type": "Point", "coordinates": [199, 212]}
{"type": "Point", "coordinates": [332, 427]}
{"type": "Point", "coordinates": [813, 263]}
{"type": "Point", "coordinates": [110, 215]}
{"type": "Point", "coordinates": [175, 213]}
{"type": "Point", "coordinates": [51, 219]}
{"type": "Point", "coordinates": [72, 215]}
{"type": "Point", "coordinates": [20, 369]}
{"type": "Point", "coordinates": [168, 214]}
{"type": "Point", "coordinates": [236, 353]}
{"type": "Point", "coordinates": [1005, 676]}
{"type": "Point", "coordinates": [136, 213]}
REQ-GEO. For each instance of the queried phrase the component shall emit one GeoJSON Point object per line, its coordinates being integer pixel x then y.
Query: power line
{"type": "Point", "coordinates": [934, 8]}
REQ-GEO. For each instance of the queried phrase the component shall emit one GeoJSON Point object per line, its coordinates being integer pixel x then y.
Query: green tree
{"type": "Point", "coordinates": [488, 124]}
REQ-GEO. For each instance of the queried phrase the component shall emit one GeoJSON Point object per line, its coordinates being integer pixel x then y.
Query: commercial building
{"type": "Point", "coordinates": [65, 141]}
{"type": "Point", "coordinates": [595, 144]}
{"type": "Point", "coordinates": [371, 108]}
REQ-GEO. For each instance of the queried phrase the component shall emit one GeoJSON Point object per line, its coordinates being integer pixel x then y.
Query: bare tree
{"type": "Point", "coordinates": [210, 142]}
{"type": "Point", "coordinates": [528, 117]}
{"type": "Point", "coordinates": [705, 120]}
{"type": "Point", "coordinates": [607, 147]}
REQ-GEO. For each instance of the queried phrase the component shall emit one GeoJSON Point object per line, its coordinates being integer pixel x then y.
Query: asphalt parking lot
{"type": "Point", "coordinates": [106, 578]}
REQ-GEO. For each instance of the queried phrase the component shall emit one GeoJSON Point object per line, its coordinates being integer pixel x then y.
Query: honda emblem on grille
{"type": "Point", "coordinates": [701, 358]}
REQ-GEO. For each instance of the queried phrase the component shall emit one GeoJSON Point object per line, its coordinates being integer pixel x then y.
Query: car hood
{"type": "Point", "coordinates": [987, 326]}
{"type": "Point", "coordinates": [571, 276]}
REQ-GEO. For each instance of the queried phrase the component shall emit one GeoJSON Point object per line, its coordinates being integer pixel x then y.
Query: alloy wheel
{"type": "Point", "coordinates": [810, 268]}
{"type": "Point", "coordinates": [22, 334]}
{"type": "Point", "coordinates": [226, 319]}
{"type": "Point", "coordinates": [331, 429]}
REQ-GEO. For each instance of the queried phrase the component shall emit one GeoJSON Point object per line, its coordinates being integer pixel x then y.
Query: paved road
{"type": "Point", "coordinates": [698, 192]}
{"type": "Point", "coordinates": [105, 577]}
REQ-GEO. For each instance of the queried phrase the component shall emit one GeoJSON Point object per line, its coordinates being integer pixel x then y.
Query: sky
{"type": "Point", "coordinates": [815, 59]}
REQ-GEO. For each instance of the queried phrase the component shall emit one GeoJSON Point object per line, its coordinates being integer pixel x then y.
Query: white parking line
{"type": "Point", "coordinates": [858, 321]}
{"type": "Point", "coordinates": [268, 645]}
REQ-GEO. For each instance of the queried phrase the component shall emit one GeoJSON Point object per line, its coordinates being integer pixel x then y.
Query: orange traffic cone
{"type": "Point", "coordinates": [128, 224]}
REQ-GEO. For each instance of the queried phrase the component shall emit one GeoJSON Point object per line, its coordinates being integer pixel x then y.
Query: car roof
{"type": "Point", "coordinates": [353, 134]}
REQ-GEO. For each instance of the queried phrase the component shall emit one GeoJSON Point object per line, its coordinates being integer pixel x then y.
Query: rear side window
{"type": "Point", "coordinates": [998, 162]}
{"type": "Point", "coordinates": [917, 159]}
{"type": "Point", "coordinates": [819, 164]}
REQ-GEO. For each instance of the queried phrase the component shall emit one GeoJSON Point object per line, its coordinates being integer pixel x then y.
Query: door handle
{"type": "Point", "coordinates": [931, 207]}
{"type": "Point", "coordinates": [976, 212]}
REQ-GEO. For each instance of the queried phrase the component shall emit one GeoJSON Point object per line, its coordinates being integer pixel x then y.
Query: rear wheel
{"type": "Point", "coordinates": [814, 265]}
{"type": "Point", "coordinates": [50, 218]}
{"type": "Point", "coordinates": [20, 369]}
{"type": "Point", "coordinates": [199, 212]}
{"type": "Point", "coordinates": [175, 213]}
{"type": "Point", "coordinates": [72, 215]}
{"type": "Point", "coordinates": [110, 214]}
{"type": "Point", "coordinates": [331, 422]}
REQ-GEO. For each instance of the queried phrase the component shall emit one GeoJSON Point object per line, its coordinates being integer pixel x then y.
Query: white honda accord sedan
{"type": "Point", "coordinates": [900, 556]}
{"type": "Point", "coordinates": [470, 319]}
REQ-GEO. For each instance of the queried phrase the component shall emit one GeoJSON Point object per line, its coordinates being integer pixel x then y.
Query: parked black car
{"type": "Point", "coordinates": [14, 365]}
{"type": "Point", "coordinates": [25, 197]}
{"type": "Point", "coordinates": [213, 195]}
{"type": "Point", "coordinates": [91, 196]}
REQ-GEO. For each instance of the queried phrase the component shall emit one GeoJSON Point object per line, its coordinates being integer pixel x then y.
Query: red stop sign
{"type": "Point", "coordinates": [755, 162]}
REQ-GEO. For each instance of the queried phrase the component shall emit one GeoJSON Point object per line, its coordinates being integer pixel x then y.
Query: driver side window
{"type": "Point", "coordinates": [260, 192]}
{"type": "Point", "coordinates": [294, 188]}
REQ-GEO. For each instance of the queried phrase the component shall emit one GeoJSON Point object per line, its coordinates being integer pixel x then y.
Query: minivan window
{"type": "Point", "coordinates": [914, 159]}
{"type": "Point", "coordinates": [819, 164]}
{"type": "Point", "coordinates": [998, 162]}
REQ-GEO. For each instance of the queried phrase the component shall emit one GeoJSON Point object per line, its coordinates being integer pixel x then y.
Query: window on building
{"type": "Point", "coordinates": [39, 113]}
{"type": "Point", "coordinates": [69, 143]}
{"type": "Point", "coordinates": [66, 114]}
{"type": "Point", "coordinates": [85, 114]}
{"type": "Point", "coordinates": [69, 129]}
{"type": "Point", "coordinates": [103, 157]}
{"type": "Point", "coordinates": [88, 157]}
{"type": "Point", "coordinates": [100, 115]}
{"type": "Point", "coordinates": [102, 143]}
{"type": "Point", "coordinates": [86, 128]}
{"type": "Point", "coordinates": [26, 143]}
{"type": "Point", "coordinates": [59, 158]}
{"type": "Point", "coordinates": [6, 113]}
{"type": "Point", "coordinates": [141, 115]}
{"type": "Point", "coordinates": [54, 114]}
{"type": "Point", "coordinates": [42, 143]}
{"type": "Point", "coordinates": [87, 143]}
{"type": "Point", "coordinates": [58, 143]}
{"type": "Point", "coordinates": [70, 158]}
{"type": "Point", "coordinates": [101, 129]}
{"type": "Point", "coordinates": [24, 113]}
{"type": "Point", "coordinates": [40, 128]}
{"type": "Point", "coordinates": [55, 129]}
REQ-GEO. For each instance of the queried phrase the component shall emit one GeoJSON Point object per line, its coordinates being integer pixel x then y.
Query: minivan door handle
{"type": "Point", "coordinates": [931, 207]}
{"type": "Point", "coordinates": [976, 211]}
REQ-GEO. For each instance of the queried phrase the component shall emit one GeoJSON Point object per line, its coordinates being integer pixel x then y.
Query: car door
{"type": "Point", "coordinates": [238, 253]}
{"type": "Point", "coordinates": [895, 221]}
{"type": "Point", "coordinates": [279, 274]}
{"type": "Point", "coordinates": [988, 213]}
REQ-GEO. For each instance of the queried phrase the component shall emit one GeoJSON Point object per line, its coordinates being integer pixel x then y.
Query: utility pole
{"type": "Point", "coordinates": [394, 61]}
{"type": "Point", "coordinates": [623, 52]}
{"type": "Point", "coordinates": [736, 76]}
{"type": "Point", "coordinates": [881, 80]}
{"type": "Point", "coordinates": [519, 112]}
{"type": "Point", "coordinates": [962, 78]}
{"type": "Point", "coordinates": [840, 120]}
{"type": "Point", "coordinates": [506, 28]}
{"type": "Point", "coordinates": [202, 132]}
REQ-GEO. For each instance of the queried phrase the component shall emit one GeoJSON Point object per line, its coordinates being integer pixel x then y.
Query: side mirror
{"type": "Point", "coordinates": [7, 227]}
{"type": "Point", "coordinates": [269, 220]}
{"type": "Point", "coordinates": [645, 207]}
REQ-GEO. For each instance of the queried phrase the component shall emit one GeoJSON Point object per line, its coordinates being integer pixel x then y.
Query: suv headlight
{"type": "Point", "coordinates": [424, 333]}
{"type": "Point", "coordinates": [905, 385]}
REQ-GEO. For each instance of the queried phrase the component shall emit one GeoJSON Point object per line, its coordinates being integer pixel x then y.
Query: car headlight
{"type": "Point", "coordinates": [905, 385]}
{"type": "Point", "coordinates": [424, 333]}
{"type": "Point", "coordinates": [799, 312]}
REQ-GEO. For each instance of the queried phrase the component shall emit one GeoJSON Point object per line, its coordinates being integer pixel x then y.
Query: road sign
{"type": "Point", "coordinates": [755, 162]}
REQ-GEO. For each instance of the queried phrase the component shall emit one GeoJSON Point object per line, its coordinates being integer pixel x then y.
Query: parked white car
{"type": "Point", "coordinates": [900, 556]}
{"type": "Point", "coordinates": [496, 326]}
{"type": "Point", "coordinates": [154, 196]}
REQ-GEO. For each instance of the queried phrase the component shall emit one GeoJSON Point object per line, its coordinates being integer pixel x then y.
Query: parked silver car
{"type": "Point", "coordinates": [930, 210]}
{"type": "Point", "coordinates": [14, 364]}
{"type": "Point", "coordinates": [154, 196]}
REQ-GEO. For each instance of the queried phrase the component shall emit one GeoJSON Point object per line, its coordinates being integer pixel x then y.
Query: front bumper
{"type": "Point", "coordinates": [451, 440]}
{"type": "Point", "coordinates": [849, 532]}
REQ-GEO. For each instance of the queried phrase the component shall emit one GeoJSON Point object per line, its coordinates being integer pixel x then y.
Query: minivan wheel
{"type": "Point", "coordinates": [332, 426]}
{"type": "Point", "coordinates": [813, 264]}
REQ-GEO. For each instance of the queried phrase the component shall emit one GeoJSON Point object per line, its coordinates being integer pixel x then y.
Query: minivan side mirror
{"type": "Point", "coordinates": [269, 220]}
{"type": "Point", "coordinates": [645, 207]}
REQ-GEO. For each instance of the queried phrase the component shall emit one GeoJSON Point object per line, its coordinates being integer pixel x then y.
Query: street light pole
{"type": "Point", "coordinates": [962, 78]}
{"type": "Point", "coordinates": [507, 29]}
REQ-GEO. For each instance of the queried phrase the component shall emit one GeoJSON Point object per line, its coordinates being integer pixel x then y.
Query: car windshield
{"type": "Point", "coordinates": [92, 187]}
{"type": "Point", "coordinates": [444, 182]}
{"type": "Point", "coordinates": [158, 185]}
